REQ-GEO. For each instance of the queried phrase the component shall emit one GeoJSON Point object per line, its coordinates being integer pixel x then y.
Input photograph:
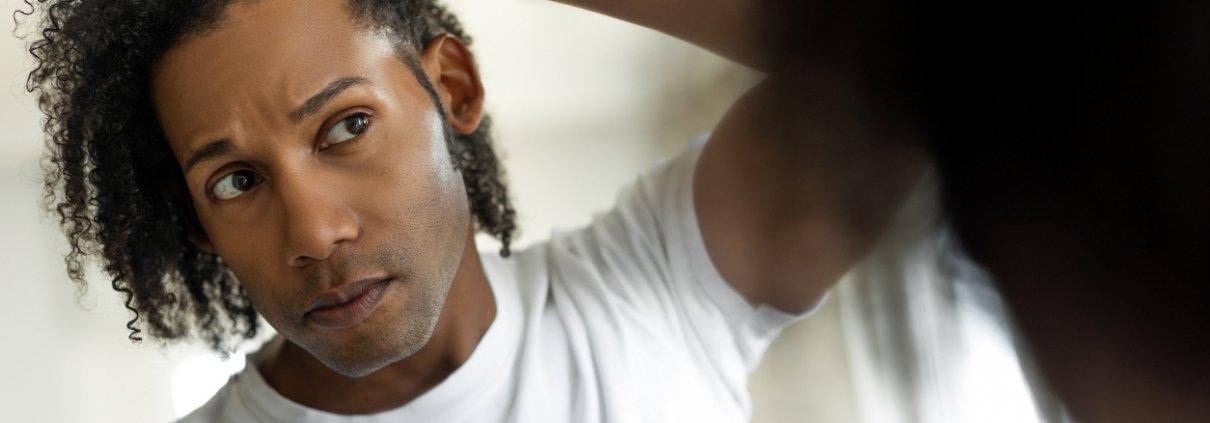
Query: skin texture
{"type": "Point", "coordinates": [386, 203]}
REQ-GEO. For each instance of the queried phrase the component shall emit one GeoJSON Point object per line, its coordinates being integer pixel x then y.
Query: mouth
{"type": "Point", "coordinates": [348, 305]}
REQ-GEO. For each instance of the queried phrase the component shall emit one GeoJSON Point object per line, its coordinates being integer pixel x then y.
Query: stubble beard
{"type": "Point", "coordinates": [426, 301]}
{"type": "Point", "coordinates": [372, 354]}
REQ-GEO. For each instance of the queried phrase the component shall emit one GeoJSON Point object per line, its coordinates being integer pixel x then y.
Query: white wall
{"type": "Point", "coordinates": [582, 103]}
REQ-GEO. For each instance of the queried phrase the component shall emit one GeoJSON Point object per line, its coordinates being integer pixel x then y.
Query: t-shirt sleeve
{"type": "Point", "coordinates": [649, 257]}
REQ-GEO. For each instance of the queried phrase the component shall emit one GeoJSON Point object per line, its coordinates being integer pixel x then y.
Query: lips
{"type": "Point", "coordinates": [348, 305]}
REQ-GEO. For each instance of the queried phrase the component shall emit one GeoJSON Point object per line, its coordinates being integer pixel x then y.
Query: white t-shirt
{"type": "Point", "coordinates": [625, 320]}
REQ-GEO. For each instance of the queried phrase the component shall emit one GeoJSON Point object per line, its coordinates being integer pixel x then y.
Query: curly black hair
{"type": "Point", "coordinates": [116, 188]}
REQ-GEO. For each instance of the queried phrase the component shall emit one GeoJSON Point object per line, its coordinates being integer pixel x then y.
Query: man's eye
{"type": "Point", "coordinates": [235, 184]}
{"type": "Point", "coordinates": [347, 129]}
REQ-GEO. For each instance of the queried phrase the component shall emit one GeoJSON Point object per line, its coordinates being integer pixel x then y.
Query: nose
{"type": "Point", "coordinates": [317, 218]}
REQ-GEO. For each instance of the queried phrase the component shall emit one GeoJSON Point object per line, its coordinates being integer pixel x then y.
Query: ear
{"type": "Point", "coordinates": [179, 196]}
{"type": "Point", "coordinates": [451, 69]}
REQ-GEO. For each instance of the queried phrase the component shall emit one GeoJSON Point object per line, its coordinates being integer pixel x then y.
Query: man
{"type": "Point", "coordinates": [324, 164]}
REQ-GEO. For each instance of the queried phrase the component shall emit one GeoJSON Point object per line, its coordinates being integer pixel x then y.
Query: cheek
{"type": "Point", "coordinates": [417, 168]}
{"type": "Point", "coordinates": [266, 283]}
{"type": "Point", "coordinates": [417, 204]}
{"type": "Point", "coordinates": [259, 282]}
{"type": "Point", "coordinates": [422, 202]}
{"type": "Point", "coordinates": [243, 248]}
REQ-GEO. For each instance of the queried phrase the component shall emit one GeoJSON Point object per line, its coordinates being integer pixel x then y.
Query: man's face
{"type": "Point", "coordinates": [318, 168]}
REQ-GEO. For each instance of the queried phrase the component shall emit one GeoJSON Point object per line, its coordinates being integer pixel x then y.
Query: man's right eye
{"type": "Point", "coordinates": [235, 184]}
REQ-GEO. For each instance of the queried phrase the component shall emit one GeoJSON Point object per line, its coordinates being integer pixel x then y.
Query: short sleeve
{"type": "Point", "coordinates": [696, 282]}
{"type": "Point", "coordinates": [644, 263]}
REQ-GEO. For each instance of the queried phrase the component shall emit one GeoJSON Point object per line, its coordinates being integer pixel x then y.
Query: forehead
{"type": "Point", "coordinates": [264, 57]}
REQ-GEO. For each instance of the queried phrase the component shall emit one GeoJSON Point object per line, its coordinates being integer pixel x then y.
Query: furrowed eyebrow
{"type": "Point", "coordinates": [215, 149]}
{"type": "Point", "coordinates": [321, 98]}
{"type": "Point", "coordinates": [210, 151]}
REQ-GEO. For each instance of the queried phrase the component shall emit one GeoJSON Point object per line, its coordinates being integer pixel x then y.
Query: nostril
{"type": "Point", "coordinates": [316, 221]}
{"type": "Point", "coordinates": [300, 261]}
{"type": "Point", "coordinates": [305, 259]}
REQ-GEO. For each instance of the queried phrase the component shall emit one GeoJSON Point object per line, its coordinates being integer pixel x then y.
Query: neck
{"type": "Point", "coordinates": [468, 312]}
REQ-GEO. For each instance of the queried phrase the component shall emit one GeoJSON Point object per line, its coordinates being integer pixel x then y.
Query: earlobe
{"type": "Point", "coordinates": [451, 69]}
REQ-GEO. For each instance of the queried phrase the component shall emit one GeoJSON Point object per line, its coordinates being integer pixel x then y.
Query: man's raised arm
{"type": "Point", "coordinates": [724, 27]}
{"type": "Point", "coordinates": [804, 173]}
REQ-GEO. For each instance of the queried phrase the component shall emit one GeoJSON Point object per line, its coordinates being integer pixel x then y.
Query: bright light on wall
{"type": "Point", "coordinates": [198, 377]}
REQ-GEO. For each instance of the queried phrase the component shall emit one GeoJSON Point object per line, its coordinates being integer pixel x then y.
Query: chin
{"type": "Point", "coordinates": [364, 358]}
{"type": "Point", "coordinates": [358, 368]}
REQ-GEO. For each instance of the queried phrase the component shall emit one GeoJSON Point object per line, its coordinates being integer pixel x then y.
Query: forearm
{"type": "Point", "coordinates": [728, 28]}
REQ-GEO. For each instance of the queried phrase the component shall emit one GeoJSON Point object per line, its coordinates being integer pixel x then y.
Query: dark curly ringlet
{"type": "Point", "coordinates": [116, 187]}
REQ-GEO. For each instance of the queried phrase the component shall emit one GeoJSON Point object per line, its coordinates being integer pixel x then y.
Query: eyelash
{"type": "Point", "coordinates": [256, 180]}
{"type": "Point", "coordinates": [367, 123]}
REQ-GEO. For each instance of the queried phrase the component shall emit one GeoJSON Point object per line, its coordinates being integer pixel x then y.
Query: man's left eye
{"type": "Point", "coordinates": [347, 129]}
